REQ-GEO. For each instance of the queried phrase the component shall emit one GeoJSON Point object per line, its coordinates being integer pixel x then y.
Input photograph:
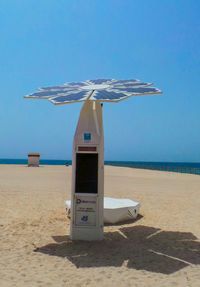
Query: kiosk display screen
{"type": "Point", "coordinates": [86, 173]}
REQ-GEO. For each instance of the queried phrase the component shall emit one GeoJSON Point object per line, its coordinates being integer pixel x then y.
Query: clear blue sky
{"type": "Point", "coordinates": [51, 42]}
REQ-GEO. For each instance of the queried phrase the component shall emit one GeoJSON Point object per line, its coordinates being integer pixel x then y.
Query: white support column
{"type": "Point", "coordinates": [88, 175]}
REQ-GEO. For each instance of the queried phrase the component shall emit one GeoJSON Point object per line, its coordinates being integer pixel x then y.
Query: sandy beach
{"type": "Point", "coordinates": [160, 248]}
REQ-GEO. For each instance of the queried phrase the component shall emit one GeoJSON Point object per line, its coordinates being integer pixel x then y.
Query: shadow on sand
{"type": "Point", "coordinates": [140, 247]}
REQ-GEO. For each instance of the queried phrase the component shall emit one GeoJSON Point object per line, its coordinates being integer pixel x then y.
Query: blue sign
{"type": "Point", "coordinates": [87, 137]}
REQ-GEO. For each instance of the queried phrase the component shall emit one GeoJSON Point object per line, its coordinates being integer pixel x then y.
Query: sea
{"type": "Point", "coordinates": [182, 167]}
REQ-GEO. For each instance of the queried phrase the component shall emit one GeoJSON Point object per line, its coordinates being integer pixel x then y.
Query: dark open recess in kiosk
{"type": "Point", "coordinates": [86, 173]}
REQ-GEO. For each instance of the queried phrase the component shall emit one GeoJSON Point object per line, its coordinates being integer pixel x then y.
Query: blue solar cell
{"type": "Point", "coordinates": [55, 88]}
{"type": "Point", "coordinates": [107, 95]}
{"type": "Point", "coordinates": [45, 94]}
{"type": "Point", "coordinates": [139, 90]}
{"type": "Point", "coordinates": [78, 84]}
{"type": "Point", "coordinates": [126, 81]}
{"type": "Point", "coordinates": [79, 96]}
{"type": "Point", "coordinates": [100, 81]}
{"type": "Point", "coordinates": [66, 86]}
{"type": "Point", "coordinates": [131, 85]}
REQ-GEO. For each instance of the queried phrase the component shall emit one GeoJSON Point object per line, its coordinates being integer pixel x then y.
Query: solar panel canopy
{"type": "Point", "coordinates": [103, 90]}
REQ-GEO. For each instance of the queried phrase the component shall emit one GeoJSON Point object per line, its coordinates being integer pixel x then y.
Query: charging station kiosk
{"type": "Point", "coordinates": [88, 175]}
{"type": "Point", "coordinates": [87, 194]}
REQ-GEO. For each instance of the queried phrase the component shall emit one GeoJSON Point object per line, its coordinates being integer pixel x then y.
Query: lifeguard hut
{"type": "Point", "coordinates": [34, 159]}
{"type": "Point", "coordinates": [87, 194]}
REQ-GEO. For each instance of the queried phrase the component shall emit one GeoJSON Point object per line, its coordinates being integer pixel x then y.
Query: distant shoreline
{"type": "Point", "coordinates": [182, 167]}
{"type": "Point", "coordinates": [118, 163]}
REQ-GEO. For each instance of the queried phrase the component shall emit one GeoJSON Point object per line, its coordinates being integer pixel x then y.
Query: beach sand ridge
{"type": "Point", "coordinates": [160, 248]}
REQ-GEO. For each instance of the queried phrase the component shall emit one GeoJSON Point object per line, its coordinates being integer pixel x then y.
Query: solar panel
{"type": "Point", "coordinates": [100, 81]}
{"type": "Point", "coordinates": [105, 90]}
{"type": "Point", "coordinates": [131, 85]}
{"type": "Point", "coordinates": [56, 88]}
{"type": "Point", "coordinates": [118, 94]}
{"type": "Point", "coordinates": [75, 84]}
{"type": "Point", "coordinates": [71, 98]}
{"type": "Point", "coordinates": [138, 90]}
{"type": "Point", "coordinates": [131, 81]}
{"type": "Point", "coordinates": [108, 96]}
{"type": "Point", "coordinates": [48, 94]}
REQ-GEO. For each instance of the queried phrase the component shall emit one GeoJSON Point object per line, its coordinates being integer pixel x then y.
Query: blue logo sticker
{"type": "Point", "coordinates": [87, 137]}
{"type": "Point", "coordinates": [84, 218]}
